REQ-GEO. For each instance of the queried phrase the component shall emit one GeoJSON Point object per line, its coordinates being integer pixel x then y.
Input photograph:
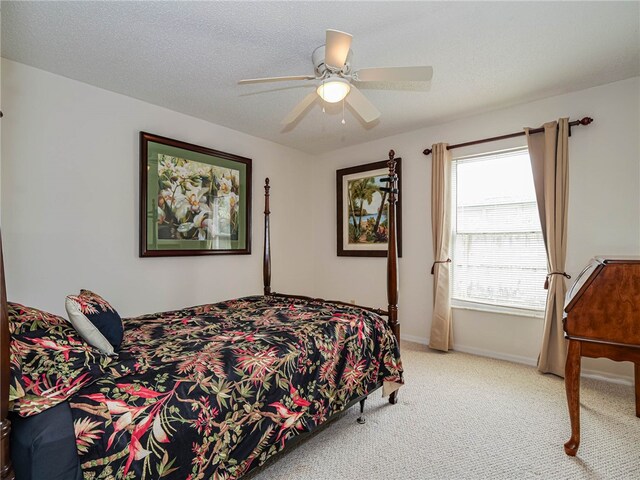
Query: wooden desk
{"type": "Point", "coordinates": [602, 320]}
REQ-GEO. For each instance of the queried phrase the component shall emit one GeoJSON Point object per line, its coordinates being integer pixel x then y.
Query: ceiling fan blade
{"type": "Point", "coordinates": [276, 79]}
{"type": "Point", "coordinates": [299, 108]}
{"type": "Point", "coordinates": [395, 74]}
{"type": "Point", "coordinates": [337, 47]}
{"type": "Point", "coordinates": [362, 106]}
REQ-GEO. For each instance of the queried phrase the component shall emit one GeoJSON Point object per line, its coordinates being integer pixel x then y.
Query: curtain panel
{"type": "Point", "coordinates": [549, 153]}
{"type": "Point", "coordinates": [441, 336]}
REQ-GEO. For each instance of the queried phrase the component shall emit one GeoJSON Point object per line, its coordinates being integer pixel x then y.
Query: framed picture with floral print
{"type": "Point", "coordinates": [193, 200]}
{"type": "Point", "coordinates": [363, 210]}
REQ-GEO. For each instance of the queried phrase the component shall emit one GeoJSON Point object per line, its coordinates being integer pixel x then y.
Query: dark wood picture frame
{"type": "Point", "coordinates": [340, 174]}
{"type": "Point", "coordinates": [145, 138]}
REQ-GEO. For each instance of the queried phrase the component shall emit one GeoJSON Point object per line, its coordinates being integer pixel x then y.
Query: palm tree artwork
{"type": "Point", "coordinates": [367, 211]}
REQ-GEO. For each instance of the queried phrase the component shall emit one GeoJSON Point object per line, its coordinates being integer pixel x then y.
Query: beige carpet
{"type": "Point", "coordinates": [467, 417]}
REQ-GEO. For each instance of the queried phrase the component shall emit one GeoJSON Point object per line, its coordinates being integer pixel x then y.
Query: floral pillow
{"type": "Point", "coordinates": [27, 319]}
{"type": "Point", "coordinates": [96, 321]}
{"type": "Point", "coordinates": [49, 362]}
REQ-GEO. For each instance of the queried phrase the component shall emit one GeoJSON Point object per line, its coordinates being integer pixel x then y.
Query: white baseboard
{"type": "Point", "coordinates": [532, 362]}
{"type": "Point", "coordinates": [414, 339]}
{"type": "Point", "coordinates": [608, 377]}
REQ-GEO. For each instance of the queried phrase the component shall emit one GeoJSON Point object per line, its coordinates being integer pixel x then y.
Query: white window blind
{"type": "Point", "coordinates": [499, 257]}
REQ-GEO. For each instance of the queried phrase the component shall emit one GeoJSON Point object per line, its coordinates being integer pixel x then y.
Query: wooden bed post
{"type": "Point", "coordinates": [392, 258]}
{"type": "Point", "coordinates": [6, 469]}
{"type": "Point", "coordinates": [266, 259]}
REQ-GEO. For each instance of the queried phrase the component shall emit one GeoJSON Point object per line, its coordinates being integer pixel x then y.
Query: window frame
{"type": "Point", "coordinates": [463, 304]}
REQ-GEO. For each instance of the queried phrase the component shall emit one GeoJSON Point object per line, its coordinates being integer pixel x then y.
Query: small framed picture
{"type": "Point", "coordinates": [193, 200]}
{"type": "Point", "coordinates": [363, 210]}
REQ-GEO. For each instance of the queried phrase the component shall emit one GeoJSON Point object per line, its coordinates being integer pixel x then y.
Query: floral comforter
{"type": "Point", "coordinates": [213, 391]}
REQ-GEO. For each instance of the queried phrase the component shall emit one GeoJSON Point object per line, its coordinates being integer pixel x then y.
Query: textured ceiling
{"type": "Point", "coordinates": [188, 56]}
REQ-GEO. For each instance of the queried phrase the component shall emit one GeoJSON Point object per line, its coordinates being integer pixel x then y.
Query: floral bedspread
{"type": "Point", "coordinates": [213, 391]}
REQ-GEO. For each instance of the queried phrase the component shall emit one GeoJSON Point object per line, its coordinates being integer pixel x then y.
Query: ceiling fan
{"type": "Point", "coordinates": [332, 67]}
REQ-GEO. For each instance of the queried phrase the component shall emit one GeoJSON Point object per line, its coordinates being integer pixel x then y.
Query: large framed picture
{"type": "Point", "coordinates": [193, 200]}
{"type": "Point", "coordinates": [363, 210]}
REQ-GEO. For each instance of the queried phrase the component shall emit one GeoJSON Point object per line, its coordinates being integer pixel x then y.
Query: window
{"type": "Point", "coordinates": [499, 259]}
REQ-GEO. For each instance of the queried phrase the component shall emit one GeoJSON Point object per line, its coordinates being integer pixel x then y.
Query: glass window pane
{"type": "Point", "coordinates": [498, 251]}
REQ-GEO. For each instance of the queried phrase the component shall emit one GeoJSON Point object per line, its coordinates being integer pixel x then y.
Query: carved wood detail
{"type": "Point", "coordinates": [572, 386]}
{"type": "Point", "coordinates": [266, 258]}
{"type": "Point", "coordinates": [6, 469]}
{"type": "Point", "coordinates": [602, 321]}
{"type": "Point", "coordinates": [392, 258]}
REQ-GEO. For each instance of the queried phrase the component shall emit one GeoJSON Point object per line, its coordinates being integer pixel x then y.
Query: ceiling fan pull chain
{"type": "Point", "coordinates": [343, 122]}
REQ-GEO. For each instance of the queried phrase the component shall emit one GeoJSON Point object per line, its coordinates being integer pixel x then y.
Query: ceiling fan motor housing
{"type": "Point", "coordinates": [319, 67]}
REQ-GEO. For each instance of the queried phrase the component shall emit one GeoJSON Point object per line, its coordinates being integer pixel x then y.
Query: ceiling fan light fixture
{"type": "Point", "coordinates": [334, 90]}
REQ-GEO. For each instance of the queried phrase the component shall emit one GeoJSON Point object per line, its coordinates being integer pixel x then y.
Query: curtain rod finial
{"type": "Point", "coordinates": [426, 151]}
{"type": "Point", "coordinates": [586, 120]}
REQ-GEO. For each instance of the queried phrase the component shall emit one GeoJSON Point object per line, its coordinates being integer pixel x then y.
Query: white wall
{"type": "Point", "coordinates": [70, 201]}
{"type": "Point", "coordinates": [604, 212]}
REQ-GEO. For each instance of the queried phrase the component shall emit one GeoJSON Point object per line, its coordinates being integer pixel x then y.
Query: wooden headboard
{"type": "Point", "coordinates": [6, 469]}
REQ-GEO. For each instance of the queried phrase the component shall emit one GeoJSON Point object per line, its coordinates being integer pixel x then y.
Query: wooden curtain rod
{"type": "Point", "coordinates": [575, 123]}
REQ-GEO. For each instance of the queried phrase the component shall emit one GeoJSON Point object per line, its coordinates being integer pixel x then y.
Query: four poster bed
{"type": "Point", "coordinates": [211, 391]}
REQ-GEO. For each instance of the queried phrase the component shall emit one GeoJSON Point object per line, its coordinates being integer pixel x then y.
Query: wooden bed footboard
{"type": "Point", "coordinates": [392, 258]}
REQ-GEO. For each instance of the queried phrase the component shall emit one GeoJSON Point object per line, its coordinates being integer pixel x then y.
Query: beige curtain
{"type": "Point", "coordinates": [549, 155]}
{"type": "Point", "coordinates": [441, 337]}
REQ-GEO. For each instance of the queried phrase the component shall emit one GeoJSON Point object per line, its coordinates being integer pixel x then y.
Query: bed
{"type": "Point", "coordinates": [211, 391]}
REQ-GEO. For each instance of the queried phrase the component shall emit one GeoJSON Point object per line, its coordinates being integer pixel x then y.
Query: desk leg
{"type": "Point", "coordinates": [572, 385]}
{"type": "Point", "coordinates": [637, 389]}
